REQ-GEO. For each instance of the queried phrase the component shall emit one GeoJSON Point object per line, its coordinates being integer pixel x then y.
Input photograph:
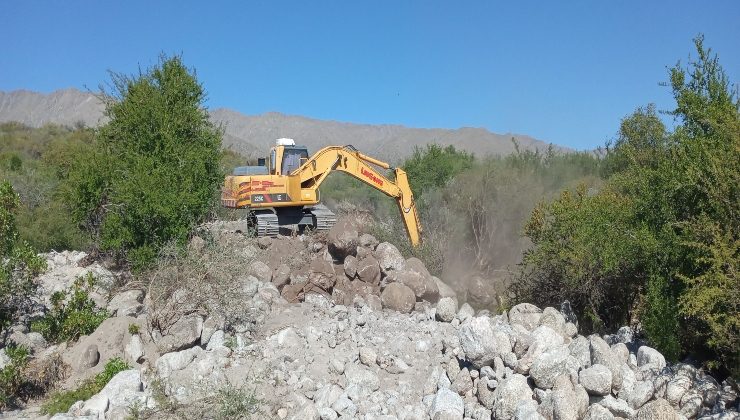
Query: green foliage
{"type": "Point", "coordinates": [30, 160]}
{"type": "Point", "coordinates": [155, 171]}
{"type": "Point", "coordinates": [236, 403]}
{"type": "Point", "coordinates": [435, 166]}
{"type": "Point", "coordinates": [12, 379]}
{"type": "Point", "coordinates": [133, 329]}
{"type": "Point", "coordinates": [73, 313]}
{"type": "Point", "coordinates": [60, 402]}
{"type": "Point", "coordinates": [660, 240]}
{"type": "Point", "coordinates": [19, 264]}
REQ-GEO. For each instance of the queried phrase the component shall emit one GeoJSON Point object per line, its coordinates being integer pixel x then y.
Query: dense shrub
{"type": "Point", "coordinates": [19, 264]}
{"type": "Point", "coordinates": [155, 171]}
{"type": "Point", "coordinates": [73, 313]}
{"type": "Point", "coordinates": [434, 166]}
{"type": "Point", "coordinates": [664, 228]}
{"type": "Point", "coordinates": [60, 402]}
{"type": "Point", "coordinates": [12, 379]}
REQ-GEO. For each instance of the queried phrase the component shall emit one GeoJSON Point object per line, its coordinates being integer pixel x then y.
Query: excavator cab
{"type": "Point", "coordinates": [286, 157]}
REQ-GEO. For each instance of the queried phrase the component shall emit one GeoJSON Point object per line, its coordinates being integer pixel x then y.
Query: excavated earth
{"type": "Point", "coordinates": [341, 326]}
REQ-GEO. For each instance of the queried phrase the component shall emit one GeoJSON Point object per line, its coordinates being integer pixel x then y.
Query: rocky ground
{"type": "Point", "coordinates": [348, 328]}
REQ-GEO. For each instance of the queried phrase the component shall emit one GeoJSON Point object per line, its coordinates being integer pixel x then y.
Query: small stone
{"type": "Point", "coordinates": [446, 309]}
{"type": "Point", "coordinates": [368, 357]}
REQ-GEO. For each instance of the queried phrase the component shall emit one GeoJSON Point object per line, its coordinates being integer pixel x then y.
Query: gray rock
{"type": "Point", "coordinates": [260, 270]}
{"type": "Point", "coordinates": [564, 405]}
{"type": "Point", "coordinates": [648, 356]}
{"type": "Point", "coordinates": [89, 358]}
{"type": "Point", "coordinates": [368, 356]}
{"type": "Point", "coordinates": [621, 353]}
{"type": "Point", "coordinates": [124, 390]}
{"type": "Point", "coordinates": [527, 410]}
{"type": "Point", "coordinates": [602, 354]}
{"type": "Point", "coordinates": [344, 406]}
{"type": "Point", "coordinates": [249, 285]}
{"type": "Point", "coordinates": [485, 394]}
{"type": "Point", "coordinates": [218, 339]}
{"type": "Point", "coordinates": [128, 303]}
{"type": "Point", "coordinates": [641, 394]}
{"type": "Point", "coordinates": [690, 404]}
{"type": "Point", "coordinates": [446, 309]}
{"type": "Point", "coordinates": [481, 343]}
{"type": "Point", "coordinates": [597, 380]}
{"type": "Point", "coordinates": [571, 330]}
{"type": "Point", "coordinates": [281, 276]}
{"type": "Point", "coordinates": [447, 403]}
{"type": "Point", "coordinates": [134, 350]}
{"type": "Point", "coordinates": [184, 333]}
{"type": "Point", "coordinates": [368, 241]}
{"type": "Point", "coordinates": [465, 312]}
{"type": "Point", "coordinates": [444, 289]}
{"type": "Point", "coordinates": [553, 319]}
{"type": "Point", "coordinates": [580, 349]}
{"type": "Point", "coordinates": [327, 413]}
{"type": "Point", "coordinates": [675, 389]}
{"type": "Point", "coordinates": [389, 257]}
{"type": "Point", "coordinates": [321, 273]}
{"type": "Point", "coordinates": [629, 379]}
{"type": "Point", "coordinates": [509, 394]}
{"type": "Point", "coordinates": [619, 408]}
{"type": "Point", "coordinates": [368, 270]}
{"type": "Point", "coordinates": [463, 382]}
{"type": "Point", "coordinates": [548, 366]}
{"type": "Point", "coordinates": [658, 409]}
{"type": "Point", "coordinates": [398, 297]}
{"type": "Point", "coordinates": [343, 239]}
{"type": "Point", "coordinates": [362, 378]}
{"type": "Point", "coordinates": [175, 361]}
{"type": "Point", "coordinates": [526, 315]}
{"type": "Point", "coordinates": [4, 359]}
{"type": "Point", "coordinates": [327, 396]}
{"type": "Point", "coordinates": [598, 412]}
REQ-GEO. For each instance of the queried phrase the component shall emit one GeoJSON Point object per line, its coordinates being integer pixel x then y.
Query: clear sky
{"type": "Point", "coordinates": [561, 71]}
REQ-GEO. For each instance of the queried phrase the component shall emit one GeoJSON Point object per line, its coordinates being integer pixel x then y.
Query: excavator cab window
{"type": "Point", "coordinates": [273, 153]}
{"type": "Point", "coordinates": [293, 158]}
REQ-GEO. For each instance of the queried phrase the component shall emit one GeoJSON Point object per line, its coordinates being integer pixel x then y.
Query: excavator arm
{"type": "Point", "coordinates": [314, 171]}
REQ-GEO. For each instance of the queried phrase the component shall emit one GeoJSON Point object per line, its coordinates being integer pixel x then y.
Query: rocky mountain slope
{"type": "Point", "coordinates": [341, 326]}
{"type": "Point", "coordinates": [252, 135]}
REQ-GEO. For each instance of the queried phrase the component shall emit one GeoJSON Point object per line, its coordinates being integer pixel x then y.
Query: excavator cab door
{"type": "Point", "coordinates": [293, 158]}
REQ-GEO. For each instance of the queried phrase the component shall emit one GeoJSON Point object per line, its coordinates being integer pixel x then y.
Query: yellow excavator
{"type": "Point", "coordinates": [285, 190]}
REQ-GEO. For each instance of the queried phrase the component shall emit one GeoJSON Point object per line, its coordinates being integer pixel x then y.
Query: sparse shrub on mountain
{"type": "Point", "coordinates": [155, 171]}
{"type": "Point", "coordinates": [660, 240]}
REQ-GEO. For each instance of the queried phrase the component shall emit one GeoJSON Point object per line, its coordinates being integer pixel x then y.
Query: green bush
{"type": "Point", "coordinates": [60, 402]}
{"type": "Point", "coordinates": [435, 166]}
{"type": "Point", "coordinates": [73, 313]}
{"type": "Point", "coordinates": [19, 264]}
{"type": "Point", "coordinates": [12, 379]}
{"type": "Point", "coordinates": [660, 239]}
{"type": "Point", "coordinates": [156, 168]}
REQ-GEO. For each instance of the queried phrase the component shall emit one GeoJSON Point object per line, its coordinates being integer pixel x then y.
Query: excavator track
{"type": "Point", "coordinates": [324, 218]}
{"type": "Point", "coordinates": [266, 224]}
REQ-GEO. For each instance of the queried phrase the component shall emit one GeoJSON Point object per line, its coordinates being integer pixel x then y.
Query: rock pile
{"type": "Point", "coordinates": [356, 331]}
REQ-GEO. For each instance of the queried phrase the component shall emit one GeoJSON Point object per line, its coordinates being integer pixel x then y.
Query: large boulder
{"type": "Point", "coordinates": [447, 405]}
{"type": "Point", "coordinates": [444, 289]}
{"type": "Point", "coordinates": [184, 333]}
{"type": "Point", "coordinates": [128, 303]}
{"type": "Point", "coordinates": [650, 358]}
{"type": "Point", "coordinates": [509, 393]}
{"type": "Point", "coordinates": [260, 270]}
{"type": "Point", "coordinates": [343, 239]}
{"type": "Point", "coordinates": [658, 409]}
{"type": "Point", "coordinates": [481, 343]}
{"type": "Point", "coordinates": [389, 257]}
{"type": "Point", "coordinates": [597, 379]}
{"type": "Point", "coordinates": [322, 274]}
{"type": "Point", "coordinates": [109, 339]}
{"type": "Point", "coordinates": [446, 309]}
{"type": "Point", "coordinates": [526, 315]}
{"type": "Point", "coordinates": [398, 297]}
{"type": "Point", "coordinates": [481, 291]}
{"type": "Point", "coordinates": [368, 270]}
{"type": "Point", "coordinates": [548, 366]}
{"type": "Point", "coordinates": [602, 354]}
{"type": "Point", "coordinates": [412, 279]}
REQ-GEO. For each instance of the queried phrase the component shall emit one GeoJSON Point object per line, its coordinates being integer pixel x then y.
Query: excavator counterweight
{"type": "Point", "coordinates": [284, 189]}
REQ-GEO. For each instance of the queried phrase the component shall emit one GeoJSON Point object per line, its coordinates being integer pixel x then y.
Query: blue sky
{"type": "Point", "coordinates": [563, 72]}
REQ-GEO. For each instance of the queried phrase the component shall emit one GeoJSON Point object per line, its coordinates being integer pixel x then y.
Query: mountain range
{"type": "Point", "coordinates": [252, 135]}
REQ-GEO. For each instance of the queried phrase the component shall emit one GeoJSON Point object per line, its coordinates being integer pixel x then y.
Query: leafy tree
{"type": "Point", "coordinates": [665, 226]}
{"type": "Point", "coordinates": [19, 264]}
{"type": "Point", "coordinates": [156, 168]}
{"type": "Point", "coordinates": [434, 166]}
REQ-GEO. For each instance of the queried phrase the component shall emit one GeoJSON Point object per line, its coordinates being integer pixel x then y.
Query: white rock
{"type": "Point", "coordinates": [389, 257]}
{"type": "Point", "coordinates": [648, 356]}
{"type": "Point", "coordinates": [508, 394]}
{"type": "Point", "coordinates": [597, 380]}
{"type": "Point", "coordinates": [447, 403]}
{"type": "Point", "coordinates": [170, 362]}
{"type": "Point", "coordinates": [134, 350]}
{"type": "Point", "coordinates": [465, 312]}
{"type": "Point", "coordinates": [641, 394]}
{"type": "Point", "coordinates": [548, 366]}
{"type": "Point", "coordinates": [446, 309]}
{"type": "Point", "coordinates": [598, 412]}
{"type": "Point", "coordinates": [619, 408]}
{"type": "Point", "coordinates": [481, 343]}
{"type": "Point", "coordinates": [526, 315]}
